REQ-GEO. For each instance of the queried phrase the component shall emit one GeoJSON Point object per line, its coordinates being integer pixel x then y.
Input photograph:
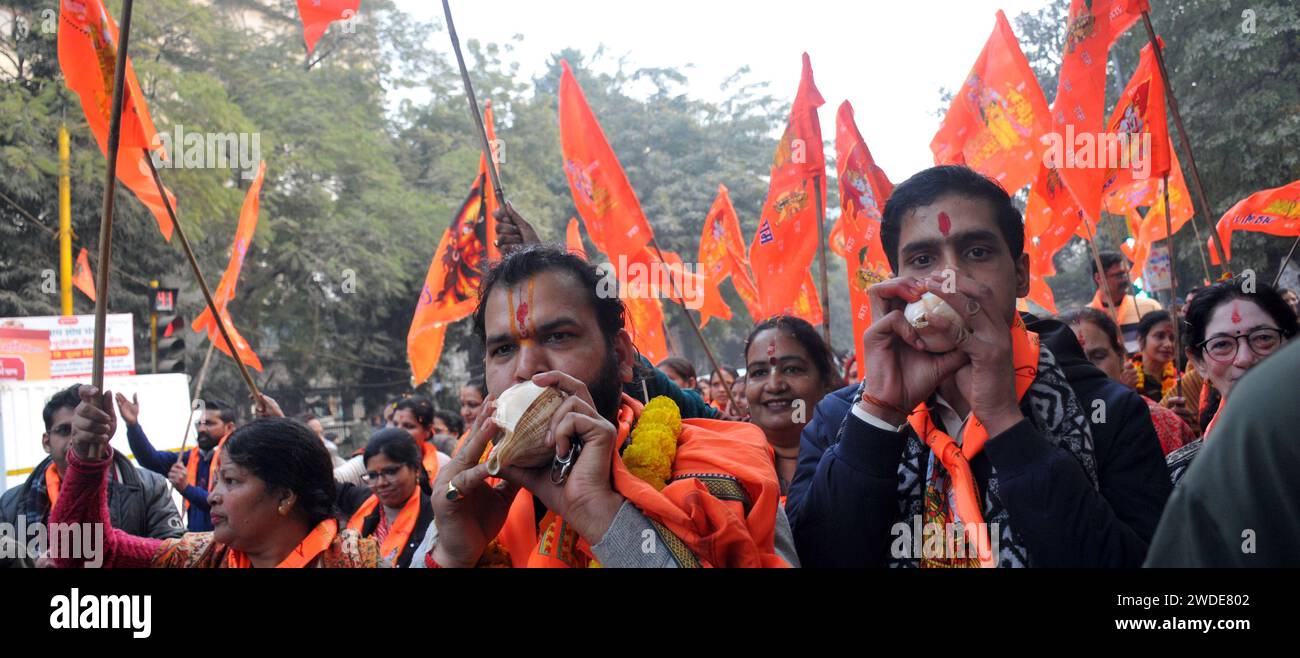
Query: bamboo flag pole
{"type": "Point", "coordinates": [1187, 144]}
{"type": "Point", "coordinates": [473, 109]}
{"type": "Point", "coordinates": [106, 216]}
{"type": "Point", "coordinates": [203, 283]}
{"type": "Point", "coordinates": [1173, 277]}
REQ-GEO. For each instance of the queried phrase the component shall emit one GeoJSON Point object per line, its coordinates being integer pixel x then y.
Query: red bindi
{"type": "Point", "coordinates": [1236, 314]}
{"type": "Point", "coordinates": [945, 224]}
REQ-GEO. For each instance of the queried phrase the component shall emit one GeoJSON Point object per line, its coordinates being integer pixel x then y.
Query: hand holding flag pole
{"type": "Point", "coordinates": [106, 217]}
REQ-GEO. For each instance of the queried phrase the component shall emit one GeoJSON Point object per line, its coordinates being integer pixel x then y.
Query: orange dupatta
{"type": "Point", "coordinates": [52, 484]}
{"type": "Point", "coordinates": [302, 555]}
{"type": "Point", "coordinates": [400, 530]}
{"type": "Point", "coordinates": [192, 470]}
{"type": "Point", "coordinates": [429, 459]}
{"type": "Point", "coordinates": [956, 459]}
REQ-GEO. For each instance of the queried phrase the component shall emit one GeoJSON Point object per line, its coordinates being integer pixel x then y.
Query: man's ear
{"type": "Point", "coordinates": [1022, 275]}
{"type": "Point", "coordinates": [625, 354]}
{"type": "Point", "coordinates": [45, 443]}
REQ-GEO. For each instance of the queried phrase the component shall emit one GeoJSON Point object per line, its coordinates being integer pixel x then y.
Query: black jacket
{"type": "Point", "coordinates": [139, 501]}
{"type": "Point", "coordinates": [844, 498]}
{"type": "Point", "coordinates": [352, 497]}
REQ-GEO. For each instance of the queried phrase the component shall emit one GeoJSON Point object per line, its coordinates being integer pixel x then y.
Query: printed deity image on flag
{"type": "Point", "coordinates": [463, 262]}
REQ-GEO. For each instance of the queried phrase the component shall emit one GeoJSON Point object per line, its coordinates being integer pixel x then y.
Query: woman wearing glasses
{"type": "Point", "coordinates": [393, 508]}
{"type": "Point", "coordinates": [1227, 332]}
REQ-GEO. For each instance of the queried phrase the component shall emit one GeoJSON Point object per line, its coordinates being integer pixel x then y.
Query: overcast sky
{"type": "Point", "coordinates": [888, 57]}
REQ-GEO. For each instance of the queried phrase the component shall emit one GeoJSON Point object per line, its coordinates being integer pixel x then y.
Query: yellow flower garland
{"type": "Point", "coordinates": [1168, 378]}
{"type": "Point", "coordinates": [650, 454]}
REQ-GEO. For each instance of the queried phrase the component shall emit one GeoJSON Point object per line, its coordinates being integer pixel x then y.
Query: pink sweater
{"type": "Point", "coordinates": [83, 498]}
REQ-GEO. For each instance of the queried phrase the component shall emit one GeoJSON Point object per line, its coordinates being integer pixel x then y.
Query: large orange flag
{"type": "Point", "coordinates": [605, 200]}
{"type": "Point", "coordinates": [318, 14]}
{"type": "Point", "coordinates": [996, 120]}
{"type": "Point", "coordinates": [864, 189]}
{"type": "Point", "coordinates": [1275, 212]}
{"type": "Point", "coordinates": [82, 277]}
{"type": "Point", "coordinates": [1139, 113]}
{"type": "Point", "coordinates": [225, 292]}
{"type": "Point", "coordinates": [1078, 109]}
{"type": "Point", "coordinates": [450, 289]}
{"type": "Point", "coordinates": [786, 241]}
{"type": "Point", "coordinates": [87, 56]}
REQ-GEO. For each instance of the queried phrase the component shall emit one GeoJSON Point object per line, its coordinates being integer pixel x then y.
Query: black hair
{"type": "Point", "coordinates": [287, 456]}
{"type": "Point", "coordinates": [419, 406]}
{"type": "Point", "coordinates": [64, 399]}
{"type": "Point", "coordinates": [724, 369]}
{"type": "Point", "coordinates": [534, 259]}
{"type": "Point", "coordinates": [1149, 322]}
{"type": "Point", "coordinates": [803, 332]}
{"type": "Point", "coordinates": [479, 384]}
{"type": "Point", "coordinates": [1097, 319]}
{"type": "Point", "coordinates": [455, 424]}
{"type": "Point", "coordinates": [227, 411]}
{"type": "Point", "coordinates": [1108, 260]}
{"type": "Point", "coordinates": [397, 445]}
{"type": "Point", "coordinates": [681, 366]}
{"type": "Point", "coordinates": [930, 185]}
{"type": "Point", "coordinates": [1265, 296]}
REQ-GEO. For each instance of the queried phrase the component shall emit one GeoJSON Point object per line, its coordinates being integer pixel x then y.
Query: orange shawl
{"type": "Point", "coordinates": [718, 510]}
{"type": "Point", "coordinates": [399, 530]}
{"type": "Point", "coordinates": [302, 555]}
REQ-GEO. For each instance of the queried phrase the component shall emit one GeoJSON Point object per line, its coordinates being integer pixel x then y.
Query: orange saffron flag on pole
{"type": "Point", "coordinates": [601, 192]}
{"type": "Point", "coordinates": [87, 56]}
{"type": "Point", "coordinates": [450, 290]}
{"type": "Point", "coordinates": [864, 189]}
{"type": "Point", "coordinates": [786, 241]}
{"type": "Point", "coordinates": [722, 255]}
{"type": "Point", "coordinates": [317, 15]}
{"type": "Point", "coordinates": [1275, 212]}
{"type": "Point", "coordinates": [1139, 129]}
{"type": "Point", "coordinates": [1152, 226]}
{"type": "Point", "coordinates": [82, 276]}
{"type": "Point", "coordinates": [225, 291]}
{"type": "Point", "coordinates": [1078, 117]}
{"type": "Point", "coordinates": [997, 118]}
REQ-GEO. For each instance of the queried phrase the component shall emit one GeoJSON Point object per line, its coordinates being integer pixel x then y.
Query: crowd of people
{"type": "Point", "coordinates": [1026, 442]}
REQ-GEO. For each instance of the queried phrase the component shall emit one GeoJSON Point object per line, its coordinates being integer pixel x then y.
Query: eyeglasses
{"type": "Point", "coordinates": [1224, 349]}
{"type": "Point", "coordinates": [387, 474]}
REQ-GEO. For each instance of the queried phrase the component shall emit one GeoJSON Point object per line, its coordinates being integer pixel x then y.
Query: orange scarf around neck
{"type": "Point", "coordinates": [302, 555]}
{"type": "Point", "coordinates": [399, 529]}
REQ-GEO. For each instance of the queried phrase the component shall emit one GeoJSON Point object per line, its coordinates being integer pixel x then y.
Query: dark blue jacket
{"type": "Point", "coordinates": [844, 498]}
{"type": "Point", "coordinates": [198, 517]}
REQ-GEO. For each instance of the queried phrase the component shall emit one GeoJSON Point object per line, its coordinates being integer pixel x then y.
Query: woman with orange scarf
{"type": "Point", "coordinates": [272, 505]}
{"type": "Point", "coordinates": [394, 507]}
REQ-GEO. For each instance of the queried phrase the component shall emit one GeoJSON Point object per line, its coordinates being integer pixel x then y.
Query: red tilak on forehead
{"type": "Point", "coordinates": [771, 352]}
{"type": "Point", "coordinates": [945, 224]}
{"type": "Point", "coordinates": [1236, 314]}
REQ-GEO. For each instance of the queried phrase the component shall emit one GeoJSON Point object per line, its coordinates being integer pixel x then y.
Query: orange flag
{"type": "Point", "coordinates": [318, 14]}
{"type": "Point", "coordinates": [489, 192]}
{"type": "Point", "coordinates": [87, 56]}
{"type": "Point", "coordinates": [1275, 212]}
{"type": "Point", "coordinates": [1139, 113]}
{"type": "Point", "coordinates": [605, 200]}
{"type": "Point", "coordinates": [1077, 111]}
{"type": "Point", "coordinates": [225, 292]}
{"type": "Point", "coordinates": [573, 239]}
{"type": "Point", "coordinates": [1039, 269]}
{"type": "Point", "coordinates": [644, 317]}
{"type": "Point", "coordinates": [807, 304]}
{"type": "Point", "coordinates": [722, 254]}
{"type": "Point", "coordinates": [786, 241]}
{"type": "Point", "coordinates": [996, 120]}
{"type": "Point", "coordinates": [1152, 226]}
{"type": "Point", "coordinates": [450, 290]}
{"type": "Point", "coordinates": [864, 189]}
{"type": "Point", "coordinates": [82, 277]}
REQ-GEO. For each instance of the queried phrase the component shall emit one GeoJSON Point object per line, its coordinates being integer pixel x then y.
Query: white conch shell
{"type": "Point", "coordinates": [524, 413]}
{"type": "Point", "coordinates": [919, 313]}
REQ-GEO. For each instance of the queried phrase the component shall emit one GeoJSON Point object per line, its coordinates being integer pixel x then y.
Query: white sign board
{"type": "Point", "coordinates": [72, 343]}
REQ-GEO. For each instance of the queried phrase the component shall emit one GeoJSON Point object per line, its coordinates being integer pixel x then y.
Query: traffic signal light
{"type": "Point", "coordinates": [171, 344]}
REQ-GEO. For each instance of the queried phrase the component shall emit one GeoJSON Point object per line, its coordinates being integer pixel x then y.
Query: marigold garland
{"type": "Point", "coordinates": [653, 445]}
{"type": "Point", "coordinates": [1168, 378]}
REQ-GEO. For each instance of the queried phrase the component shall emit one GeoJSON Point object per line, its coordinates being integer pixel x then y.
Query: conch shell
{"type": "Point", "coordinates": [919, 313]}
{"type": "Point", "coordinates": [524, 412]}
